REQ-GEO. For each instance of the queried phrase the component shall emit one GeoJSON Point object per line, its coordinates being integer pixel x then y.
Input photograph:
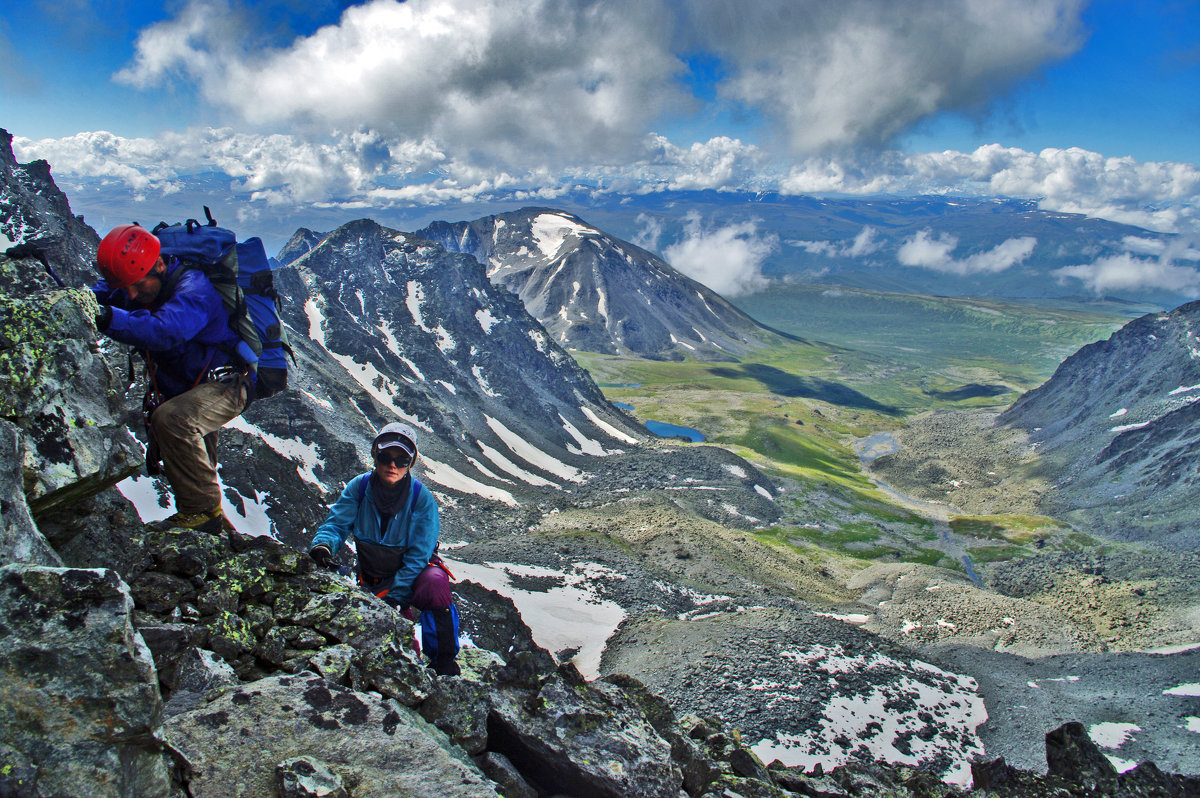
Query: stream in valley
{"type": "Point", "coordinates": [879, 444]}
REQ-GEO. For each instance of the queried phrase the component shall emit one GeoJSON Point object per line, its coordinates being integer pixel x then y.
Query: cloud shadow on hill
{"type": "Point", "coordinates": [785, 384]}
{"type": "Point", "coordinates": [971, 391]}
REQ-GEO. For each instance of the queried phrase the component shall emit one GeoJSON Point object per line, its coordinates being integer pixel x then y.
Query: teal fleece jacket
{"type": "Point", "coordinates": [414, 529]}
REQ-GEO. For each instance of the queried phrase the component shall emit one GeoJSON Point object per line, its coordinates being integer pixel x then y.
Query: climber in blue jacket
{"type": "Point", "coordinates": [393, 519]}
{"type": "Point", "coordinates": [177, 321]}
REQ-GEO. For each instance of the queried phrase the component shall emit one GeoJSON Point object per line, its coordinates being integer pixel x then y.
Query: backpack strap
{"type": "Point", "coordinates": [362, 485]}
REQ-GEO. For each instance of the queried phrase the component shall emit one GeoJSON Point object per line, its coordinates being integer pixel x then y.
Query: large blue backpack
{"type": "Point", "coordinates": [242, 274]}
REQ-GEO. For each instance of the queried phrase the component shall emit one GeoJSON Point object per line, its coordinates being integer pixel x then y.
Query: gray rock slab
{"type": "Point", "coordinates": [374, 745]}
{"type": "Point", "coordinates": [80, 708]}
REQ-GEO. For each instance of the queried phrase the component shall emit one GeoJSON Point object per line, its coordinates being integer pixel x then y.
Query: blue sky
{"type": "Point", "coordinates": [1132, 89]}
{"type": "Point", "coordinates": [1089, 107]}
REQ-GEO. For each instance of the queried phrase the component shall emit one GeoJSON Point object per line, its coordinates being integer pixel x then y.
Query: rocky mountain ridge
{"type": "Point", "coordinates": [1116, 430]}
{"type": "Point", "coordinates": [596, 293]}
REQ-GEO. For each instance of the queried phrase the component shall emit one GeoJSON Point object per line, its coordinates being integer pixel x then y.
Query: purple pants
{"type": "Point", "coordinates": [431, 590]}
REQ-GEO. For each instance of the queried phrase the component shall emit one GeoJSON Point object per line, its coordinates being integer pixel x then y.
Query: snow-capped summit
{"type": "Point", "coordinates": [597, 293]}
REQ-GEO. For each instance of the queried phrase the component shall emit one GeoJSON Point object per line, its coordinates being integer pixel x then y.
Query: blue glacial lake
{"type": "Point", "coordinates": [664, 430]}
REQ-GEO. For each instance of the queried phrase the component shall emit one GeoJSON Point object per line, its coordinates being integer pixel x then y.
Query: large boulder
{"type": "Point", "coordinates": [373, 745]}
{"type": "Point", "coordinates": [61, 392]}
{"type": "Point", "coordinates": [20, 539]}
{"type": "Point", "coordinates": [80, 709]}
{"type": "Point", "coordinates": [582, 739]}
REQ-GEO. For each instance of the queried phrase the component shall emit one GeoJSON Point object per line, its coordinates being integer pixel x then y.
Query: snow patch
{"type": "Point", "coordinates": [483, 383]}
{"type": "Point", "coordinates": [1112, 735]}
{"type": "Point", "coordinates": [447, 477]}
{"type": "Point", "coordinates": [1128, 427]}
{"type": "Point", "coordinates": [486, 320]}
{"type": "Point", "coordinates": [609, 428]}
{"type": "Point", "coordinates": [531, 454]}
{"type": "Point", "coordinates": [512, 468]}
{"type": "Point", "coordinates": [1191, 690]}
{"type": "Point", "coordinates": [550, 230]}
{"type": "Point", "coordinates": [291, 449]}
{"type": "Point", "coordinates": [569, 616]}
{"type": "Point", "coordinates": [586, 444]}
{"type": "Point", "coordinates": [853, 617]}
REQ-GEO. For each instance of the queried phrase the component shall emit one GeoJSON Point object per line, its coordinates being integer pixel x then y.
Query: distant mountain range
{"type": "Point", "coordinates": [964, 245]}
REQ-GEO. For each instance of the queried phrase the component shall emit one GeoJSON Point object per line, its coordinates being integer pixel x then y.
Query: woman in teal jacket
{"type": "Point", "coordinates": [394, 521]}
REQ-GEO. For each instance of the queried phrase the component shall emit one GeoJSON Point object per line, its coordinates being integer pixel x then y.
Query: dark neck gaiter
{"type": "Point", "coordinates": [390, 500]}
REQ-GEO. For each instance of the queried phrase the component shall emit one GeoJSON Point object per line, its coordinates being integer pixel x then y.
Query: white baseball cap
{"type": "Point", "coordinates": [395, 434]}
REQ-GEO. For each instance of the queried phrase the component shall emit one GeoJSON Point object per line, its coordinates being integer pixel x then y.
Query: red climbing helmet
{"type": "Point", "coordinates": [127, 254]}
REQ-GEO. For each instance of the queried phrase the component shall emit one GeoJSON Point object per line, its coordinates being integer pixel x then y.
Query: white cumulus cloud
{"type": "Point", "coordinates": [727, 259]}
{"type": "Point", "coordinates": [866, 242]}
{"type": "Point", "coordinates": [837, 75]}
{"type": "Point", "coordinates": [925, 251]}
{"type": "Point", "coordinates": [1159, 196]}
{"type": "Point", "coordinates": [1127, 271]}
{"type": "Point", "coordinates": [515, 81]}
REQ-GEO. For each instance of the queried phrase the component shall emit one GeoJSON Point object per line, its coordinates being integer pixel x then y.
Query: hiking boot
{"type": "Point", "coordinates": [446, 666]}
{"type": "Point", "coordinates": [211, 522]}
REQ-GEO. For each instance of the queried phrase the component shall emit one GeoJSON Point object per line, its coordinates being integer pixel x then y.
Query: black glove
{"type": "Point", "coordinates": [104, 318]}
{"type": "Point", "coordinates": [321, 555]}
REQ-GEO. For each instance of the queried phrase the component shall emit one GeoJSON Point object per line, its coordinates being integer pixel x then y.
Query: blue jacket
{"type": "Point", "coordinates": [184, 337]}
{"type": "Point", "coordinates": [414, 529]}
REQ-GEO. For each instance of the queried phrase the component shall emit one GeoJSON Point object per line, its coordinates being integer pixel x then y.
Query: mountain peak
{"type": "Point", "coordinates": [597, 293]}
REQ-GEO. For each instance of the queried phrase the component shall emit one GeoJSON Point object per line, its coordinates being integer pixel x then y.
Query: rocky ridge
{"type": "Point", "coordinates": [1116, 429]}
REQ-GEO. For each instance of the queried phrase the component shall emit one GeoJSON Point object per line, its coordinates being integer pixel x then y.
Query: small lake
{"type": "Point", "coordinates": [664, 430]}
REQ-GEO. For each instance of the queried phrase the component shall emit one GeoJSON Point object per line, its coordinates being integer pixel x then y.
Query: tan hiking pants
{"type": "Point", "coordinates": [185, 428]}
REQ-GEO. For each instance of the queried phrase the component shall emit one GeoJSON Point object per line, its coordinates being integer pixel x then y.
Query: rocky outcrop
{"type": "Point", "coordinates": [61, 431]}
{"type": "Point", "coordinates": [79, 706]}
{"type": "Point", "coordinates": [230, 667]}
{"type": "Point", "coordinates": [36, 217]}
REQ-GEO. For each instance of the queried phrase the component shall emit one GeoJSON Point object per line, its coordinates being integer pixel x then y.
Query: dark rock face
{"type": "Point", "coordinates": [597, 293]}
{"type": "Point", "coordinates": [80, 705]}
{"type": "Point", "coordinates": [1116, 428]}
{"type": "Point", "coordinates": [36, 217]}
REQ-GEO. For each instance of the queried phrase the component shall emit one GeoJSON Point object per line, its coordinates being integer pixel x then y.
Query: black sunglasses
{"type": "Point", "coordinates": [400, 460]}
